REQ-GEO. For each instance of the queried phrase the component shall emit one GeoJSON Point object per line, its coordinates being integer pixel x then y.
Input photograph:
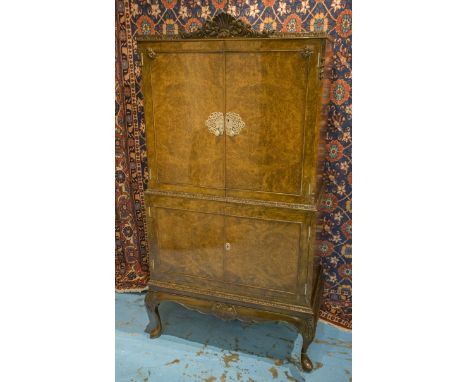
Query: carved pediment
{"type": "Point", "coordinates": [224, 25]}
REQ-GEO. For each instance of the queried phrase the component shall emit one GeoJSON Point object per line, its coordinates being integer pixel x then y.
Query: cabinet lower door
{"type": "Point", "coordinates": [266, 257]}
{"type": "Point", "coordinates": [189, 245]}
{"type": "Point", "coordinates": [262, 254]}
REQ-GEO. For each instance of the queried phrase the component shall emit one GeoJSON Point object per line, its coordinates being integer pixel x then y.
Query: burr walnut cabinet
{"type": "Point", "coordinates": [233, 124]}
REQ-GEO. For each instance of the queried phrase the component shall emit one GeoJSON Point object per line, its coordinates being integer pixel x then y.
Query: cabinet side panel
{"type": "Point", "coordinates": [325, 66]}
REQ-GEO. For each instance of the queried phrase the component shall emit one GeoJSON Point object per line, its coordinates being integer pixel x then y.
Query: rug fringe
{"type": "Point", "coordinates": [131, 290]}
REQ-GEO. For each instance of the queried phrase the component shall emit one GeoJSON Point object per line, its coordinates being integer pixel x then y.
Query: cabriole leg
{"type": "Point", "coordinates": [152, 307]}
{"type": "Point", "coordinates": [307, 329]}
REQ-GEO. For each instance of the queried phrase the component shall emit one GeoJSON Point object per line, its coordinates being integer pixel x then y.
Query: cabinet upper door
{"type": "Point", "coordinates": [271, 99]}
{"type": "Point", "coordinates": [183, 84]}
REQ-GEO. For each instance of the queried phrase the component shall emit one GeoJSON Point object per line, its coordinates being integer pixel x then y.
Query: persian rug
{"type": "Point", "coordinates": [172, 16]}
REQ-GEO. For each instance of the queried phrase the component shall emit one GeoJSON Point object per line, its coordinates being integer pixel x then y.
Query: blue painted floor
{"type": "Point", "coordinates": [198, 347]}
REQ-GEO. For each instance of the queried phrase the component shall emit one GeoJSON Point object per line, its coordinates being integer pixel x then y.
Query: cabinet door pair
{"type": "Point", "coordinates": [233, 118]}
{"type": "Point", "coordinates": [244, 250]}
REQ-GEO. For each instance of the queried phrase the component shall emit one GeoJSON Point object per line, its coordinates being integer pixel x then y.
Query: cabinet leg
{"type": "Point", "coordinates": [152, 307]}
{"type": "Point", "coordinates": [307, 329]}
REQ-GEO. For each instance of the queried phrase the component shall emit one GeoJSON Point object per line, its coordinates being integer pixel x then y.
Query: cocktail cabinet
{"type": "Point", "coordinates": [234, 124]}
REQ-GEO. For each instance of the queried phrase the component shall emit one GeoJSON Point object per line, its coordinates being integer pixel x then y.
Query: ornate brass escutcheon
{"type": "Point", "coordinates": [234, 124]}
{"type": "Point", "coordinates": [217, 123]}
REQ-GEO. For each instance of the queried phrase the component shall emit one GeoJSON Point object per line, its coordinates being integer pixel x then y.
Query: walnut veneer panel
{"type": "Point", "coordinates": [274, 87]}
{"type": "Point", "coordinates": [248, 250]}
{"type": "Point", "coordinates": [186, 88]}
{"type": "Point", "coordinates": [189, 243]}
{"type": "Point", "coordinates": [268, 91]}
{"type": "Point", "coordinates": [263, 254]}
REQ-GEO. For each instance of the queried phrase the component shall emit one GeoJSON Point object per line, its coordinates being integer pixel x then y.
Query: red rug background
{"type": "Point", "coordinates": [171, 16]}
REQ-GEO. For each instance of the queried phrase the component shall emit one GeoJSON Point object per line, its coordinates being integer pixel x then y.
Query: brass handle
{"type": "Point", "coordinates": [216, 123]}
{"type": "Point", "coordinates": [234, 124]}
{"type": "Point", "coordinates": [227, 246]}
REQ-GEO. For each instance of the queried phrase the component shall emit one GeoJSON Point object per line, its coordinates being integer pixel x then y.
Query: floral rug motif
{"type": "Point", "coordinates": [172, 16]}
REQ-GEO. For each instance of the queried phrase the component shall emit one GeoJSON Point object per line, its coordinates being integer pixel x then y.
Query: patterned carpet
{"type": "Point", "coordinates": [170, 17]}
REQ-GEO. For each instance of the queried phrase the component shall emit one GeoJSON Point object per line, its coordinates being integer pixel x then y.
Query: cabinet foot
{"type": "Point", "coordinates": [307, 329]}
{"type": "Point", "coordinates": [306, 362]}
{"type": "Point", "coordinates": [152, 307]}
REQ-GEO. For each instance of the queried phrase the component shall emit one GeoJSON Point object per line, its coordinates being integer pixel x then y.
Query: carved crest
{"type": "Point", "coordinates": [224, 311]}
{"type": "Point", "coordinates": [224, 25]}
